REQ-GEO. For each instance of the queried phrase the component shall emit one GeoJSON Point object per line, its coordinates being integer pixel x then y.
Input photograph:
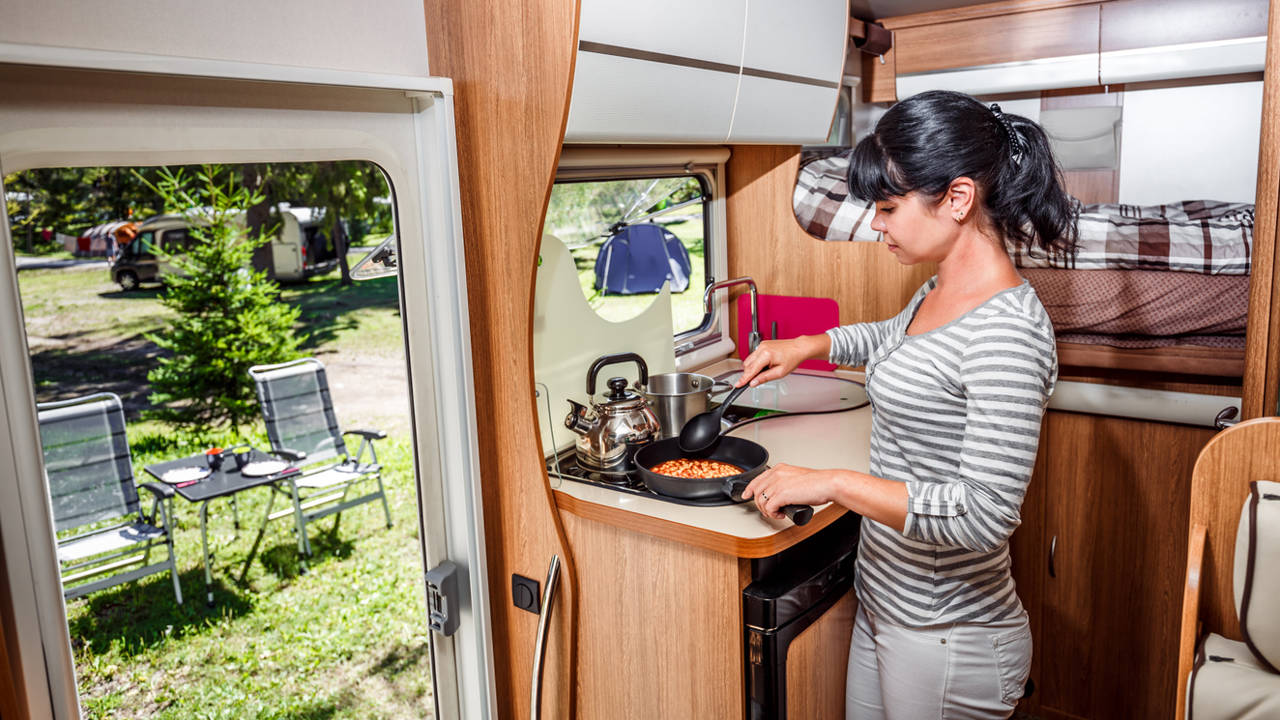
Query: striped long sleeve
{"type": "Point", "coordinates": [1006, 378]}
{"type": "Point", "coordinates": [956, 416]}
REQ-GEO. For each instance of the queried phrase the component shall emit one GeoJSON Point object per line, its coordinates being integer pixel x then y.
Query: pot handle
{"type": "Point", "coordinates": [600, 363]}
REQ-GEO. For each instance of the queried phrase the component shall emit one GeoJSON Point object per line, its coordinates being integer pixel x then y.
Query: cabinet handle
{"type": "Point", "coordinates": [1053, 550]}
{"type": "Point", "coordinates": [548, 595]}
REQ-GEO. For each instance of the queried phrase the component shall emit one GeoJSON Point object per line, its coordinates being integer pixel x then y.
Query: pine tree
{"type": "Point", "coordinates": [228, 317]}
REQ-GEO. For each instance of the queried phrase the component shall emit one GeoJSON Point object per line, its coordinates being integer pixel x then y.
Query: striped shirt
{"type": "Point", "coordinates": [956, 416]}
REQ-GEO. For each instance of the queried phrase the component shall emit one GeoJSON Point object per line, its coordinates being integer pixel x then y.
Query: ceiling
{"type": "Point", "coordinates": [873, 9]}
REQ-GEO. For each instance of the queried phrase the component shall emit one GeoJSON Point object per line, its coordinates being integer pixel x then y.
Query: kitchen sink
{"type": "Point", "coordinates": [801, 391]}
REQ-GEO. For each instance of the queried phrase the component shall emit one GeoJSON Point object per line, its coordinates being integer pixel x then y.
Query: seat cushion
{"type": "Point", "coordinates": [117, 539]}
{"type": "Point", "coordinates": [1256, 575]}
{"type": "Point", "coordinates": [337, 475]}
{"type": "Point", "coordinates": [1229, 682]}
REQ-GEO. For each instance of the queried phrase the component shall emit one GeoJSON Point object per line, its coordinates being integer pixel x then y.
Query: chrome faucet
{"type": "Point", "coordinates": [753, 340]}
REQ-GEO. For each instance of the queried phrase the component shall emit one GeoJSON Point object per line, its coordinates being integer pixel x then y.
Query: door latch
{"type": "Point", "coordinates": [442, 598]}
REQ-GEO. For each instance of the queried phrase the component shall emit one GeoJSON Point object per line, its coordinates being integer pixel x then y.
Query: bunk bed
{"type": "Point", "coordinates": [1160, 288]}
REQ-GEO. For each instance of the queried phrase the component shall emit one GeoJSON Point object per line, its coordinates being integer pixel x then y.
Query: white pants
{"type": "Point", "coordinates": [936, 673]}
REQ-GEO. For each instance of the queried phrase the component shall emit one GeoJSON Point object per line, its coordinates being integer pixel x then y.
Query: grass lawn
{"type": "Point", "coordinates": [348, 639]}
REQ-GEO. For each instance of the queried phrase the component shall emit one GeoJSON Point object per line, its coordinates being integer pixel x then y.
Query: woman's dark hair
{"type": "Point", "coordinates": [926, 141]}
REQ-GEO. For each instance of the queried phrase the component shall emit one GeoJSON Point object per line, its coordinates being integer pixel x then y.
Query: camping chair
{"type": "Point", "coordinates": [89, 472]}
{"type": "Point", "coordinates": [298, 412]}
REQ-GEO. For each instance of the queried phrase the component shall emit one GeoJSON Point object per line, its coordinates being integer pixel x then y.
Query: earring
{"type": "Point", "coordinates": [959, 217]}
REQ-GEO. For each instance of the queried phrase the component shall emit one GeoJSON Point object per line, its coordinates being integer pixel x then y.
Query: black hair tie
{"type": "Point", "coordinates": [1015, 147]}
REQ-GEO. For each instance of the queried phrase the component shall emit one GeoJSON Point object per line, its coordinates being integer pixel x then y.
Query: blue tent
{"type": "Point", "coordinates": [639, 258]}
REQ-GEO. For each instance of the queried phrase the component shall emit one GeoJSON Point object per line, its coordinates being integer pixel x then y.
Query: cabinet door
{"type": "Point", "coordinates": [1116, 511]}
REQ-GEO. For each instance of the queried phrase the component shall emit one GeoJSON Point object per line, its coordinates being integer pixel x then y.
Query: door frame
{"type": "Point", "coordinates": [68, 111]}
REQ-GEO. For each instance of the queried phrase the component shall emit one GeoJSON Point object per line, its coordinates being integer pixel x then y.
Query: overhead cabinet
{"type": "Point", "coordinates": [1080, 45]}
{"type": "Point", "coordinates": [716, 71]}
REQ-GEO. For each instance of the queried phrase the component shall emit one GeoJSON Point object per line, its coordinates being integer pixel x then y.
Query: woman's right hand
{"type": "Point", "coordinates": [773, 359]}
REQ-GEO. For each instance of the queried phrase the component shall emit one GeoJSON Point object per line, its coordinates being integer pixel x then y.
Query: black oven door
{"type": "Point", "coordinates": [788, 593]}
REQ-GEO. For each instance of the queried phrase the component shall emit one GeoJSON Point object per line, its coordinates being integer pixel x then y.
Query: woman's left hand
{"type": "Point", "coordinates": [785, 484]}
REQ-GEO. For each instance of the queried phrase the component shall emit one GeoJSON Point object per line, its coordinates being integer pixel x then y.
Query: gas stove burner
{"type": "Point", "coordinates": [566, 466]}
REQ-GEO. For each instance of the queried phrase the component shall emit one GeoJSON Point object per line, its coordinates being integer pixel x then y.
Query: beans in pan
{"type": "Point", "coordinates": [696, 469]}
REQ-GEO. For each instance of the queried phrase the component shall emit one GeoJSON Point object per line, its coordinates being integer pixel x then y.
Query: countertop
{"type": "Point", "coordinates": [835, 440]}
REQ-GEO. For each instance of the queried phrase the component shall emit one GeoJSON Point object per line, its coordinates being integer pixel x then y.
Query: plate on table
{"type": "Point", "coordinates": [181, 475]}
{"type": "Point", "coordinates": [263, 468]}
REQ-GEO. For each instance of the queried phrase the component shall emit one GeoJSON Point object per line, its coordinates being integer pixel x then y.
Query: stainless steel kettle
{"type": "Point", "coordinates": [617, 424]}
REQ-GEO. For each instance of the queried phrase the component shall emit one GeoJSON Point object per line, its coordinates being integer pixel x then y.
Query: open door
{"type": "Point", "coordinates": [59, 114]}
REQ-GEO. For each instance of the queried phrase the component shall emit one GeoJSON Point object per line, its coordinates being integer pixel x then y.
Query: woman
{"type": "Point", "coordinates": [958, 382]}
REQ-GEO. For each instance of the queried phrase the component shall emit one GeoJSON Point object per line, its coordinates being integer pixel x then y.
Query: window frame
{"type": "Point", "coordinates": [710, 340]}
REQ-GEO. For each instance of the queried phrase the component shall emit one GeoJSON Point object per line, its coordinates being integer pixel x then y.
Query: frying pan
{"type": "Point", "coordinates": [750, 456]}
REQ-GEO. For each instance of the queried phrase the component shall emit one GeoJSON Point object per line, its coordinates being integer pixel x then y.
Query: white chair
{"type": "Point", "coordinates": [298, 412]}
{"type": "Point", "coordinates": [89, 473]}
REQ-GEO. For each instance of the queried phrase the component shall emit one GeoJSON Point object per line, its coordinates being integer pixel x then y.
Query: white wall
{"type": "Point", "coordinates": [387, 36]}
{"type": "Point", "coordinates": [1190, 143]}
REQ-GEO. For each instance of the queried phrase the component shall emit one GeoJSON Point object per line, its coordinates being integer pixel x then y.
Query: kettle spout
{"type": "Point", "coordinates": [577, 420]}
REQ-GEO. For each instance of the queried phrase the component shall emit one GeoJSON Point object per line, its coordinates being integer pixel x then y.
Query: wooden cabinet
{"type": "Point", "coordinates": [1099, 562]}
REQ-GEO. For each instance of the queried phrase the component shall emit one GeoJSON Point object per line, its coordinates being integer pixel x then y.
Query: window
{"type": "Point", "coordinates": [667, 203]}
{"type": "Point", "coordinates": [630, 237]}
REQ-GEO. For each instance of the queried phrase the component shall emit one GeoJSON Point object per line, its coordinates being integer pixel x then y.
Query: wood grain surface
{"type": "Point", "coordinates": [661, 626]}
{"type": "Point", "coordinates": [1262, 352]}
{"type": "Point", "coordinates": [511, 65]}
{"type": "Point", "coordinates": [990, 40]}
{"type": "Point", "coordinates": [1189, 629]}
{"type": "Point", "coordinates": [818, 660]}
{"type": "Point", "coordinates": [1117, 499]}
{"type": "Point", "coordinates": [695, 536]}
{"type": "Point", "coordinates": [767, 243]}
{"type": "Point", "coordinates": [973, 12]}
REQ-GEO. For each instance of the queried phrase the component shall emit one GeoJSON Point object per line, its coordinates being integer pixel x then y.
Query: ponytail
{"type": "Point", "coordinates": [928, 140]}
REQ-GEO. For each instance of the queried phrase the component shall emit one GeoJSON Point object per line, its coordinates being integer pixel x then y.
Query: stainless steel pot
{"type": "Point", "coordinates": [676, 397]}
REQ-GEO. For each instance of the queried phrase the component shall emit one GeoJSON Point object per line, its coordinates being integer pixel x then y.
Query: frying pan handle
{"type": "Point", "coordinates": [799, 514]}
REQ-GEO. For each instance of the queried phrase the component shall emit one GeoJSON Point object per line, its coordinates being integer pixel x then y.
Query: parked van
{"type": "Point", "coordinates": [299, 249]}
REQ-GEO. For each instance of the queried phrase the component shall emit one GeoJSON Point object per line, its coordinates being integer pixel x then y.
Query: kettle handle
{"type": "Point", "coordinates": [611, 360]}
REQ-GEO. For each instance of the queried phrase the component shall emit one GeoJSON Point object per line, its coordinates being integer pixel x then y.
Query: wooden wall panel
{"type": "Point", "coordinates": [818, 658]}
{"type": "Point", "coordinates": [990, 40]}
{"type": "Point", "coordinates": [879, 78]}
{"type": "Point", "coordinates": [512, 64]}
{"type": "Point", "coordinates": [1117, 501]}
{"type": "Point", "coordinates": [687, 661]}
{"type": "Point", "coordinates": [1145, 23]}
{"type": "Point", "coordinates": [767, 243]}
{"type": "Point", "coordinates": [13, 700]}
{"type": "Point", "coordinates": [1262, 350]}
{"type": "Point", "coordinates": [973, 12]}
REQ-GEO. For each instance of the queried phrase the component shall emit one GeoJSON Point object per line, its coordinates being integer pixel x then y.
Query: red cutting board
{"type": "Point", "coordinates": [794, 315]}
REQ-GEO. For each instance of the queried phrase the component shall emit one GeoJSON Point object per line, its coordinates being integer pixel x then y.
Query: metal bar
{"type": "Point", "coordinates": [262, 529]}
{"type": "Point", "coordinates": [79, 590]}
{"type": "Point", "coordinates": [204, 544]}
{"type": "Point", "coordinates": [548, 595]}
{"type": "Point", "coordinates": [104, 568]}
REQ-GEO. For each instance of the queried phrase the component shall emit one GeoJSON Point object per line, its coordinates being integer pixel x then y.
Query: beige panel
{"type": "Point", "coordinates": [304, 33]}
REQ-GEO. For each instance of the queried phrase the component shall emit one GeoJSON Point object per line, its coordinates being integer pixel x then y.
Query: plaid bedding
{"type": "Point", "coordinates": [1200, 236]}
{"type": "Point", "coordinates": [823, 206]}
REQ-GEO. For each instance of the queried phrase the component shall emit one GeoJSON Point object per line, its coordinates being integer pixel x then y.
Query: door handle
{"type": "Point", "coordinates": [1053, 550]}
{"type": "Point", "coordinates": [548, 595]}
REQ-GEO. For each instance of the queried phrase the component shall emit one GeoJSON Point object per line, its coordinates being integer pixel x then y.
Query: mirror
{"type": "Point", "coordinates": [381, 262]}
